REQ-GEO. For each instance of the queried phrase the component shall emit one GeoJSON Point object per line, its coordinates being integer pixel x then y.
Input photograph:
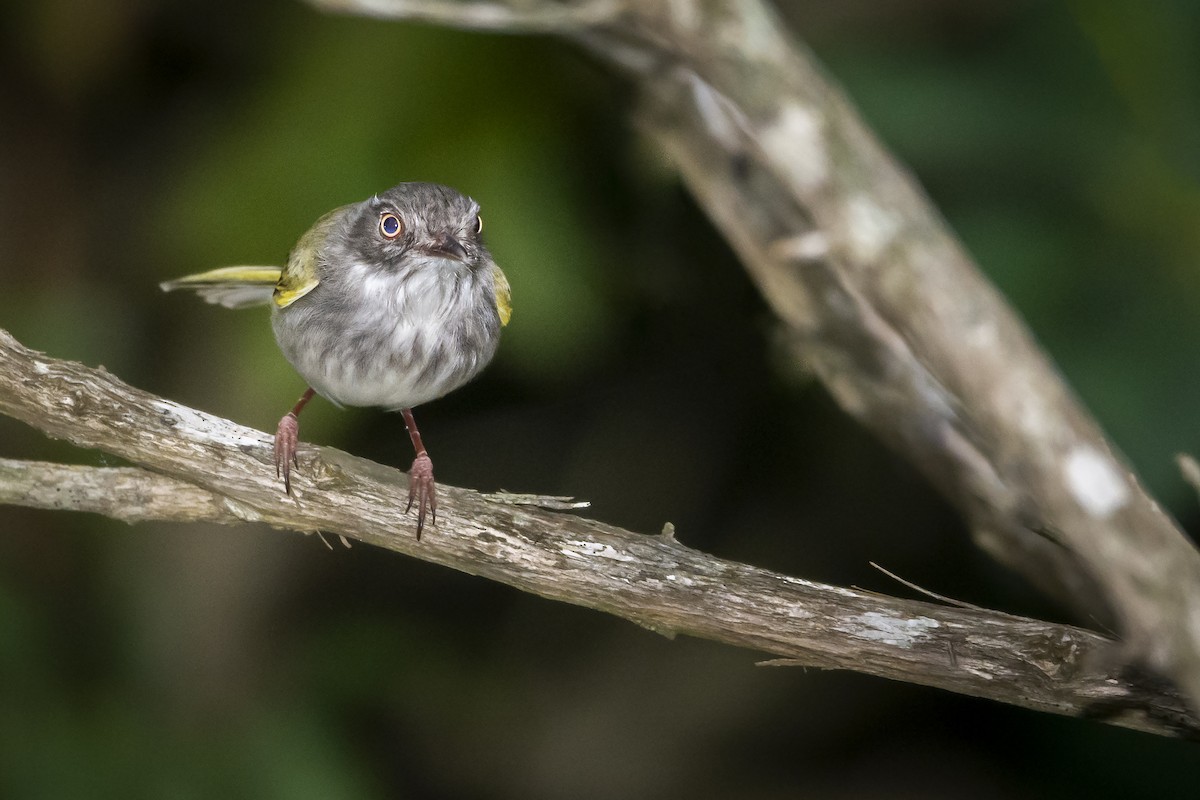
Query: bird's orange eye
{"type": "Point", "coordinates": [478, 224]}
{"type": "Point", "coordinates": [390, 225]}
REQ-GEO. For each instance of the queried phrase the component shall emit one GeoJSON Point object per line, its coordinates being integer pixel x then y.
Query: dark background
{"type": "Point", "coordinates": [148, 139]}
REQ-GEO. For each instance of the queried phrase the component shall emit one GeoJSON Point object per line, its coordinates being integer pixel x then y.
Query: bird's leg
{"type": "Point", "coordinates": [286, 437]}
{"type": "Point", "coordinates": [421, 488]}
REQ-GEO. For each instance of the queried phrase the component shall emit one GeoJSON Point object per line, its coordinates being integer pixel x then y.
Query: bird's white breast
{"type": "Point", "coordinates": [392, 339]}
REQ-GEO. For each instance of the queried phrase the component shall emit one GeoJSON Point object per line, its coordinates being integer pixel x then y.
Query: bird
{"type": "Point", "coordinates": [390, 302]}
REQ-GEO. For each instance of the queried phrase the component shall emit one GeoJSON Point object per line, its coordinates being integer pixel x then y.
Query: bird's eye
{"type": "Point", "coordinates": [390, 225]}
{"type": "Point", "coordinates": [478, 224]}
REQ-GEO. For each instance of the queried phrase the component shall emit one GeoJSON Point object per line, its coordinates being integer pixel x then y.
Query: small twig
{"type": "Point", "coordinates": [1189, 468]}
{"type": "Point", "coordinates": [940, 597]}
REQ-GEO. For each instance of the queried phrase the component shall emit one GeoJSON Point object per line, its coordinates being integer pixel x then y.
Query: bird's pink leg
{"type": "Point", "coordinates": [421, 487]}
{"type": "Point", "coordinates": [286, 437]}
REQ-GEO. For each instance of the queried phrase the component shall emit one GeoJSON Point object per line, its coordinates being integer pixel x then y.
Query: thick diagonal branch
{"type": "Point", "coordinates": [195, 466]}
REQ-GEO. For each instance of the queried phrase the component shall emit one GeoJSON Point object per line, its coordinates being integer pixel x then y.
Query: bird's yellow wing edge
{"type": "Point", "coordinates": [503, 296]}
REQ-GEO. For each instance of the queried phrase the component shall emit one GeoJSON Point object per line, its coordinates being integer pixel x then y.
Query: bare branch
{"type": "Point", "coordinates": [489, 16]}
{"type": "Point", "coordinates": [216, 470]}
{"type": "Point", "coordinates": [129, 494]}
{"type": "Point", "coordinates": [880, 299]}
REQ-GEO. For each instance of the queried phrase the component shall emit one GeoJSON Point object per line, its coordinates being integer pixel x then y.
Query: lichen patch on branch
{"type": "Point", "coordinates": [891, 630]}
{"type": "Point", "coordinates": [799, 137]}
{"type": "Point", "coordinates": [1094, 482]}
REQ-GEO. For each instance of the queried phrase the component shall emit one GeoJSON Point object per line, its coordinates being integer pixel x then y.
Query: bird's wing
{"type": "Point", "coordinates": [303, 270]}
{"type": "Point", "coordinates": [503, 295]}
{"type": "Point", "coordinates": [232, 287]}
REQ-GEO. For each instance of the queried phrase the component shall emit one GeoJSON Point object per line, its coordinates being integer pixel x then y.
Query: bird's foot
{"type": "Point", "coordinates": [286, 437]}
{"type": "Point", "coordinates": [422, 490]}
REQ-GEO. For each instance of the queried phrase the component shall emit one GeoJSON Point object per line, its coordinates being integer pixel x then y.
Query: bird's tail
{"type": "Point", "coordinates": [232, 287]}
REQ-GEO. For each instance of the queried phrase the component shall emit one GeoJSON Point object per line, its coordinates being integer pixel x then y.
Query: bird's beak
{"type": "Point", "coordinates": [448, 247]}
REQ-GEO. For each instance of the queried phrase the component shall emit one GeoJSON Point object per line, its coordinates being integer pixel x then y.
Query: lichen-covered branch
{"type": "Point", "coordinates": [192, 466]}
{"type": "Point", "coordinates": [882, 302]}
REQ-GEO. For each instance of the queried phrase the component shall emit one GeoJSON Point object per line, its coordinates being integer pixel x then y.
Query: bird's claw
{"type": "Point", "coordinates": [422, 490]}
{"type": "Point", "coordinates": [286, 437]}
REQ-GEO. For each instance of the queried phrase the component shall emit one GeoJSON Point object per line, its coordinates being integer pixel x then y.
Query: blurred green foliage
{"type": "Point", "coordinates": [144, 140]}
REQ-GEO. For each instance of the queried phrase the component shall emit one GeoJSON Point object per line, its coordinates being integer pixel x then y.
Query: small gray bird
{"type": "Point", "coordinates": [390, 302]}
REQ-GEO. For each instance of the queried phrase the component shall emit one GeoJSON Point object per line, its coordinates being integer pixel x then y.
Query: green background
{"type": "Point", "coordinates": [144, 140]}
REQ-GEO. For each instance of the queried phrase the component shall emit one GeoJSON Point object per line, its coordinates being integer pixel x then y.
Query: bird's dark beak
{"type": "Point", "coordinates": [448, 247]}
